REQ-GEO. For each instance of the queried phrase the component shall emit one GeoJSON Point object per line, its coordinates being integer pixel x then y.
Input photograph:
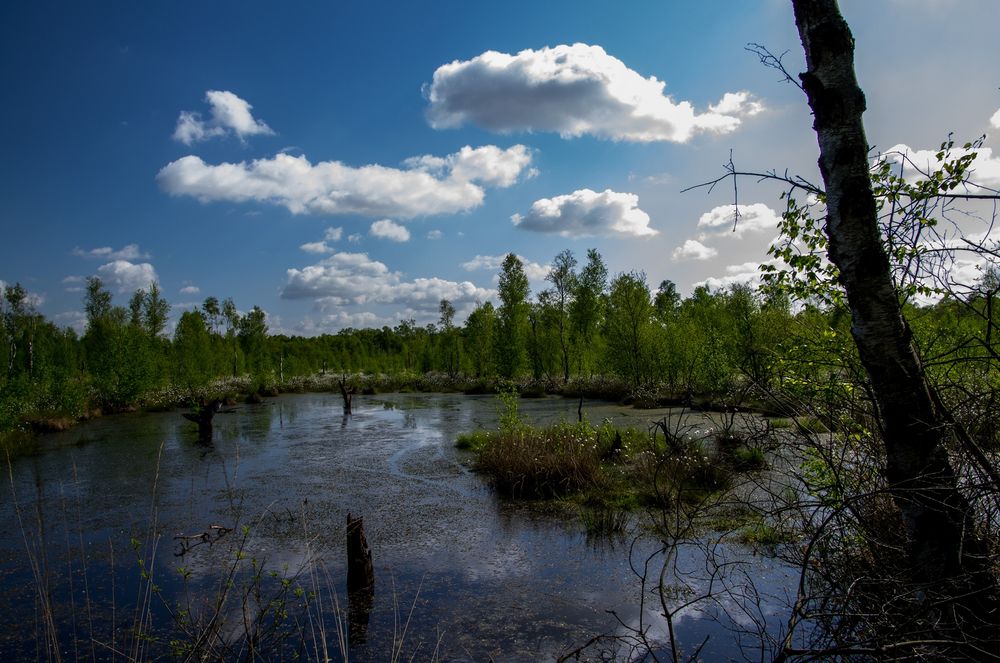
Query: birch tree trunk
{"type": "Point", "coordinates": [943, 544]}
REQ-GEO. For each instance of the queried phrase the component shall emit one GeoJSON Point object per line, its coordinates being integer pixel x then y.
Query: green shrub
{"type": "Point", "coordinates": [762, 533]}
{"type": "Point", "coordinates": [472, 441]}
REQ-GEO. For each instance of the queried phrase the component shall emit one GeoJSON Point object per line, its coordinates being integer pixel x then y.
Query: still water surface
{"type": "Point", "coordinates": [481, 578]}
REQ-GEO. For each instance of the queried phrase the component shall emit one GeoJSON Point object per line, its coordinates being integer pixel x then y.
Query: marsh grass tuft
{"type": "Point", "coordinates": [604, 524]}
{"type": "Point", "coordinates": [762, 533]}
{"type": "Point", "coordinates": [472, 441]}
{"type": "Point", "coordinates": [747, 459]}
{"type": "Point", "coordinates": [541, 463]}
{"type": "Point", "coordinates": [564, 459]}
{"type": "Point", "coordinates": [689, 475]}
{"type": "Point", "coordinates": [811, 424]}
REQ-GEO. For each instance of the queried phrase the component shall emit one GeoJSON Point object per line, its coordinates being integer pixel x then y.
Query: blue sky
{"type": "Point", "coordinates": [348, 164]}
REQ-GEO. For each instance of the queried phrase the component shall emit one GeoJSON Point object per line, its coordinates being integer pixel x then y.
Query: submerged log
{"type": "Point", "coordinates": [360, 580]}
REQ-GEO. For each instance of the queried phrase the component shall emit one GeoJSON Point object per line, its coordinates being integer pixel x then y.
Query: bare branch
{"type": "Point", "coordinates": [772, 61]}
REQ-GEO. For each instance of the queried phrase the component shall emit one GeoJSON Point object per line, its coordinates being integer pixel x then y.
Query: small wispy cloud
{"type": "Point", "coordinates": [692, 249]}
{"type": "Point", "coordinates": [390, 230]}
{"type": "Point", "coordinates": [227, 114]}
{"type": "Point", "coordinates": [316, 247]}
{"type": "Point", "coordinates": [127, 252]}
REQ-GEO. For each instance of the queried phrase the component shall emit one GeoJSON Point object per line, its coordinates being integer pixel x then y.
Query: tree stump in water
{"type": "Point", "coordinates": [347, 394]}
{"type": "Point", "coordinates": [203, 416]}
{"type": "Point", "coordinates": [360, 580]}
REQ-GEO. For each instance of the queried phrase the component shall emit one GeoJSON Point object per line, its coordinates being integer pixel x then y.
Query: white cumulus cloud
{"type": "Point", "coordinates": [73, 283]}
{"type": "Point", "coordinates": [421, 188]}
{"type": "Point", "coordinates": [190, 290]}
{"type": "Point", "coordinates": [586, 213]}
{"type": "Point", "coordinates": [995, 120]}
{"type": "Point", "coordinates": [533, 270]}
{"type": "Point", "coordinates": [571, 90]}
{"type": "Point", "coordinates": [747, 272]}
{"type": "Point", "coordinates": [390, 230]}
{"type": "Point", "coordinates": [692, 249]}
{"type": "Point", "coordinates": [353, 278]}
{"type": "Point", "coordinates": [227, 113]}
{"type": "Point", "coordinates": [333, 234]}
{"type": "Point", "coordinates": [125, 276]}
{"type": "Point", "coordinates": [317, 247]}
{"type": "Point", "coordinates": [434, 234]}
{"type": "Point", "coordinates": [751, 219]}
{"type": "Point", "coordinates": [338, 320]}
{"type": "Point", "coordinates": [737, 103]}
{"type": "Point", "coordinates": [488, 164]}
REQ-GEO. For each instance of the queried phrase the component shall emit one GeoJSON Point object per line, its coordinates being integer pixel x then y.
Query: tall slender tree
{"type": "Point", "coordinates": [213, 314]}
{"type": "Point", "coordinates": [479, 332]}
{"type": "Point", "coordinates": [232, 317]}
{"type": "Point", "coordinates": [943, 545]}
{"type": "Point", "coordinates": [627, 323]}
{"type": "Point", "coordinates": [155, 310]}
{"type": "Point", "coordinates": [450, 338]}
{"type": "Point", "coordinates": [586, 309]}
{"type": "Point", "coordinates": [563, 278]}
{"type": "Point", "coordinates": [512, 317]}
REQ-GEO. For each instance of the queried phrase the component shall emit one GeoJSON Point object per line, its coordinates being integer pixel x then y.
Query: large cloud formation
{"type": "Point", "coordinates": [228, 114]}
{"type": "Point", "coordinates": [426, 185]}
{"type": "Point", "coordinates": [125, 276]}
{"type": "Point", "coordinates": [353, 278]}
{"type": "Point", "coordinates": [586, 213]}
{"type": "Point", "coordinates": [572, 90]}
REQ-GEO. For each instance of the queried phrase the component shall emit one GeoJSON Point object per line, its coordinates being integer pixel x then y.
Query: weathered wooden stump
{"type": "Point", "coordinates": [360, 581]}
{"type": "Point", "coordinates": [203, 416]}
{"type": "Point", "coordinates": [348, 396]}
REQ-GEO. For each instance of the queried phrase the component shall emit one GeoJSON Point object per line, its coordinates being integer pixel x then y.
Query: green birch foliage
{"type": "Point", "coordinates": [908, 208]}
{"type": "Point", "coordinates": [192, 352]}
{"type": "Point", "coordinates": [628, 328]}
{"type": "Point", "coordinates": [512, 317]}
{"type": "Point", "coordinates": [586, 312]}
